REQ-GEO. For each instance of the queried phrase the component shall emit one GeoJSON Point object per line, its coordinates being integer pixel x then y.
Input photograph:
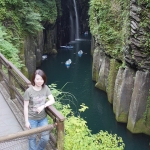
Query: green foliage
{"type": "Point", "coordinates": [108, 23]}
{"type": "Point", "coordinates": [114, 67]}
{"type": "Point", "coordinates": [145, 115]}
{"type": "Point", "coordinates": [30, 20]}
{"type": "Point", "coordinates": [123, 66]}
{"type": "Point", "coordinates": [8, 50]}
{"type": "Point", "coordinates": [29, 12]}
{"type": "Point", "coordinates": [144, 2]}
{"type": "Point", "coordinates": [22, 17]}
{"type": "Point", "coordinates": [79, 137]}
{"type": "Point", "coordinates": [77, 134]}
{"type": "Point", "coordinates": [61, 96]}
{"type": "Point", "coordinates": [47, 9]}
{"type": "Point", "coordinates": [144, 25]}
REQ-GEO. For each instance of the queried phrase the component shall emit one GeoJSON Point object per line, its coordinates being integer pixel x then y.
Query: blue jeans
{"type": "Point", "coordinates": [44, 135]}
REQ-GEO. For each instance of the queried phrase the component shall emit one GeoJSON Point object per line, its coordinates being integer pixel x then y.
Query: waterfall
{"type": "Point", "coordinates": [71, 27]}
{"type": "Point", "coordinates": [77, 21]}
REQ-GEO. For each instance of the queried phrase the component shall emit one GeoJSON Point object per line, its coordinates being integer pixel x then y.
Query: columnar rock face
{"type": "Point", "coordinates": [124, 85]}
{"type": "Point", "coordinates": [39, 48]}
{"type": "Point", "coordinates": [35, 47]}
{"type": "Point", "coordinates": [136, 118]}
{"type": "Point", "coordinates": [117, 91]}
{"type": "Point", "coordinates": [30, 55]}
{"type": "Point", "coordinates": [97, 60]}
{"type": "Point", "coordinates": [128, 85]}
{"type": "Point", "coordinates": [50, 41]}
{"type": "Point", "coordinates": [137, 55]}
{"type": "Point", "coordinates": [103, 74]}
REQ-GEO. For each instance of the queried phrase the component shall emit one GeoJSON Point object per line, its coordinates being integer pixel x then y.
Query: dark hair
{"type": "Point", "coordinates": [41, 73]}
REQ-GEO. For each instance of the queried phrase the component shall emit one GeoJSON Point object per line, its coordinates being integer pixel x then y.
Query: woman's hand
{"type": "Point", "coordinates": [27, 125]}
{"type": "Point", "coordinates": [39, 109]}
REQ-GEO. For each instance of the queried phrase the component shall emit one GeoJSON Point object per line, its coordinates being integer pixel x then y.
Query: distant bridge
{"type": "Point", "coordinates": [13, 135]}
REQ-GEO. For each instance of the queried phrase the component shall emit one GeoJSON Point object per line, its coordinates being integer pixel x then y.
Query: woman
{"type": "Point", "coordinates": [35, 102]}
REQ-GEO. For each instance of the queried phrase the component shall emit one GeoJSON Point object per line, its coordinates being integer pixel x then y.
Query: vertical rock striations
{"type": "Point", "coordinates": [37, 45]}
{"type": "Point", "coordinates": [102, 82]}
{"type": "Point", "coordinates": [126, 78]}
{"type": "Point", "coordinates": [136, 121]}
{"type": "Point", "coordinates": [123, 91]}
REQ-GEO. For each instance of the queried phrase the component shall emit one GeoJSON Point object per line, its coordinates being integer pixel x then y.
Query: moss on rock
{"type": "Point", "coordinates": [114, 66]}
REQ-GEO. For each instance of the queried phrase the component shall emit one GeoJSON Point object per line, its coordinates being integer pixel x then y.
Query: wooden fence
{"type": "Point", "coordinates": [17, 83]}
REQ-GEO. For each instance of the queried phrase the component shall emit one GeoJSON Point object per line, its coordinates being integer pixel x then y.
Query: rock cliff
{"type": "Point", "coordinates": [44, 42]}
{"type": "Point", "coordinates": [126, 79]}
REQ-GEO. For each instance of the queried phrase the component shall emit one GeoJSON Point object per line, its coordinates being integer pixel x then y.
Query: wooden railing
{"type": "Point", "coordinates": [17, 83]}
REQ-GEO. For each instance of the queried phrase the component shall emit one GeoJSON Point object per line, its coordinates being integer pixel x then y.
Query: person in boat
{"type": "Point", "coordinates": [69, 61]}
{"type": "Point", "coordinates": [34, 108]}
{"type": "Point", "coordinates": [44, 57]}
{"type": "Point", "coordinates": [80, 52]}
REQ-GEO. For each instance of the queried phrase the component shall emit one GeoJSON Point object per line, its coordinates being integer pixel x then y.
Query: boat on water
{"type": "Point", "coordinates": [80, 52]}
{"type": "Point", "coordinates": [67, 47]}
{"type": "Point", "coordinates": [44, 57]}
{"type": "Point", "coordinates": [86, 33]}
{"type": "Point", "coordinates": [68, 62]}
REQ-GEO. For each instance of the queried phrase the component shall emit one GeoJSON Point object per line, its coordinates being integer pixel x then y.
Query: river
{"type": "Point", "coordinates": [78, 77]}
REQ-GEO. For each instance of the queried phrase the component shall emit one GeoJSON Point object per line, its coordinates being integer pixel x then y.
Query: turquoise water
{"type": "Point", "coordinates": [78, 77]}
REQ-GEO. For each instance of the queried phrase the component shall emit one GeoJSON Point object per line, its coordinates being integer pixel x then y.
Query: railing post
{"type": "Point", "coordinates": [11, 83]}
{"type": "Point", "coordinates": [60, 135]}
{"type": "Point", "coordinates": [1, 76]}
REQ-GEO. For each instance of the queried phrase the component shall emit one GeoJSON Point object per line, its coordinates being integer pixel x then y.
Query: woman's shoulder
{"type": "Point", "coordinates": [46, 86]}
{"type": "Point", "coordinates": [29, 89]}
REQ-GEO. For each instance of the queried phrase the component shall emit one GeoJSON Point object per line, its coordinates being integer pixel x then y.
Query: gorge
{"type": "Point", "coordinates": [120, 53]}
{"type": "Point", "coordinates": [120, 46]}
{"type": "Point", "coordinates": [125, 75]}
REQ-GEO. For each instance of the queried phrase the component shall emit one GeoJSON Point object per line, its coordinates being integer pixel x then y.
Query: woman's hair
{"type": "Point", "coordinates": [41, 73]}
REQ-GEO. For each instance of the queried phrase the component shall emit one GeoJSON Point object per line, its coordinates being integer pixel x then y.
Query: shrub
{"type": "Point", "coordinates": [77, 134]}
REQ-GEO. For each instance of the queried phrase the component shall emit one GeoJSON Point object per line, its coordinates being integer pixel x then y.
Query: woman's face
{"type": "Point", "coordinates": [38, 80]}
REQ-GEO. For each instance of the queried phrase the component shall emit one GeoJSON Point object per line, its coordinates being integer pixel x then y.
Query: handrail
{"type": "Point", "coordinates": [26, 133]}
{"type": "Point", "coordinates": [15, 80]}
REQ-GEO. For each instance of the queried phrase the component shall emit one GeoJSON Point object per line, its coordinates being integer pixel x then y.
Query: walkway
{"type": "Point", "coordinates": [12, 130]}
{"type": "Point", "coordinates": [12, 121]}
{"type": "Point", "coordinates": [9, 123]}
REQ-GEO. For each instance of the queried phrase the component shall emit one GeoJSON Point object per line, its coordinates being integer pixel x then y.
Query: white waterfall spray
{"type": "Point", "coordinates": [71, 28]}
{"type": "Point", "coordinates": [77, 20]}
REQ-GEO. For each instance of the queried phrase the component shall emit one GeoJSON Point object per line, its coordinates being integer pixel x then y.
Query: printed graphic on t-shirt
{"type": "Point", "coordinates": [38, 101]}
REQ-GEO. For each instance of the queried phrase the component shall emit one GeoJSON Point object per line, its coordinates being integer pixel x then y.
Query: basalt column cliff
{"type": "Point", "coordinates": [121, 58]}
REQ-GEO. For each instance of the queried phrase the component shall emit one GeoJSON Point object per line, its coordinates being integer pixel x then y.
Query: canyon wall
{"type": "Point", "coordinates": [127, 80]}
{"type": "Point", "coordinates": [44, 42]}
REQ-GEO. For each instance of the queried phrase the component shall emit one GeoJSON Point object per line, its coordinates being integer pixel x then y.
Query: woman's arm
{"type": "Point", "coordinates": [27, 124]}
{"type": "Point", "coordinates": [50, 101]}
